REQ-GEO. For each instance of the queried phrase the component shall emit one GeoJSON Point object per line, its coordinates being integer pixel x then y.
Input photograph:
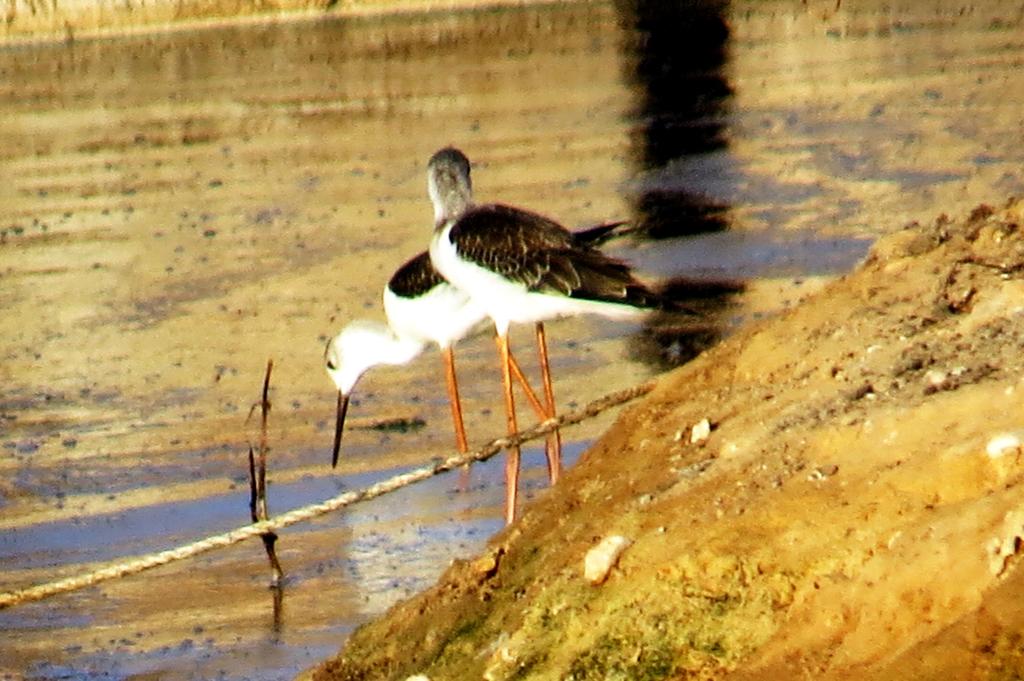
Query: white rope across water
{"type": "Point", "coordinates": [136, 565]}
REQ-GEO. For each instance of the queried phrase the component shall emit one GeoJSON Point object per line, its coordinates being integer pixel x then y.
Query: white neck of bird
{"type": "Point", "coordinates": [396, 350]}
{"type": "Point", "coordinates": [387, 348]}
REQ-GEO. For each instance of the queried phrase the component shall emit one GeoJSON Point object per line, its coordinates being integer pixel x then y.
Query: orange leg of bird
{"type": "Point", "coordinates": [453, 397]}
{"type": "Point", "coordinates": [531, 396]}
{"type": "Point", "coordinates": [512, 458]}
{"type": "Point", "coordinates": [553, 447]}
{"type": "Point", "coordinates": [461, 443]}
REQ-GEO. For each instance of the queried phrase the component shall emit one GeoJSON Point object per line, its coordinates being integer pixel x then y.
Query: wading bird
{"type": "Point", "coordinates": [520, 267]}
{"type": "Point", "coordinates": [423, 309]}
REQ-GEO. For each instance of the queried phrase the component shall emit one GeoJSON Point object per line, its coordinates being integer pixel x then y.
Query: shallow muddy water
{"type": "Point", "coordinates": [178, 208]}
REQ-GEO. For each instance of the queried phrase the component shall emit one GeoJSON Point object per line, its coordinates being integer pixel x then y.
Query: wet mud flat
{"type": "Point", "coordinates": [70, 20]}
{"type": "Point", "coordinates": [178, 208]}
{"type": "Point", "coordinates": [854, 511]}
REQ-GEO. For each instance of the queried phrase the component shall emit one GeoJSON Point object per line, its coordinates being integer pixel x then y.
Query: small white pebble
{"type": "Point", "coordinates": [1001, 445]}
{"type": "Point", "coordinates": [823, 472]}
{"type": "Point", "coordinates": [600, 560]}
{"type": "Point", "coordinates": [418, 677]}
{"type": "Point", "coordinates": [700, 432]}
{"type": "Point", "coordinates": [936, 377]}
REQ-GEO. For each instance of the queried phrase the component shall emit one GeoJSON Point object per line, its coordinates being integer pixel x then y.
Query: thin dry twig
{"type": "Point", "coordinates": [258, 483]}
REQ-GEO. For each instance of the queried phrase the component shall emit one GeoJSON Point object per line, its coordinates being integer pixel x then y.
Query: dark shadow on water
{"type": "Point", "coordinates": [669, 339]}
{"type": "Point", "coordinates": [707, 275]}
{"type": "Point", "coordinates": [674, 54]}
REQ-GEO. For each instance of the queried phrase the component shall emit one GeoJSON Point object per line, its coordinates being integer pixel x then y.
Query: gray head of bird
{"type": "Point", "coordinates": [449, 184]}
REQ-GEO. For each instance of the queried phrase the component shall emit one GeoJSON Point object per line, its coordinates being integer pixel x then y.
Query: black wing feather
{"type": "Point", "coordinates": [542, 255]}
{"type": "Point", "coordinates": [415, 278]}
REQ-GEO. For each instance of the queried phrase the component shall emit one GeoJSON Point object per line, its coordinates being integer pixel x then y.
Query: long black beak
{"type": "Point", "coordinates": [339, 425]}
